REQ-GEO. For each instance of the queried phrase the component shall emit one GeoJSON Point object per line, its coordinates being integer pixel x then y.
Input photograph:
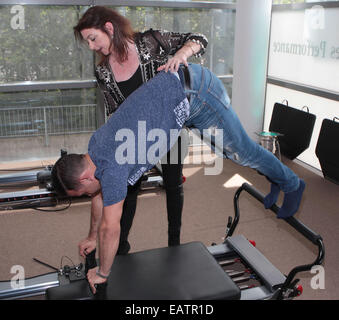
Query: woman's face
{"type": "Point", "coordinates": [97, 40]}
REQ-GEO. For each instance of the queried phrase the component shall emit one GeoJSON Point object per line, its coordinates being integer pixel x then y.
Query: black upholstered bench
{"type": "Point", "coordinates": [185, 272]}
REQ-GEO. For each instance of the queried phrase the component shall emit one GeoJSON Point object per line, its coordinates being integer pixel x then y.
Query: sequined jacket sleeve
{"type": "Point", "coordinates": [154, 49]}
{"type": "Point", "coordinates": [169, 43]}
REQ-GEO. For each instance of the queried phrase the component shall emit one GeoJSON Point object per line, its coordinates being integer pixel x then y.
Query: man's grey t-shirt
{"type": "Point", "coordinates": [138, 134]}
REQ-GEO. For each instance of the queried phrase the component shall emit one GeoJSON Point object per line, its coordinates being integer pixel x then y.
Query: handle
{"type": "Point", "coordinates": [90, 263]}
{"type": "Point", "coordinates": [284, 101]}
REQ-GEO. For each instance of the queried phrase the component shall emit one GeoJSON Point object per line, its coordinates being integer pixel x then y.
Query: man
{"type": "Point", "coordinates": [129, 144]}
{"type": "Point", "coordinates": [142, 130]}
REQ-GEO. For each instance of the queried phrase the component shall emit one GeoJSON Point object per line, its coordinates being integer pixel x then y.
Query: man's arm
{"type": "Point", "coordinates": [109, 235]}
{"type": "Point", "coordinates": [88, 244]}
{"type": "Point", "coordinates": [96, 214]}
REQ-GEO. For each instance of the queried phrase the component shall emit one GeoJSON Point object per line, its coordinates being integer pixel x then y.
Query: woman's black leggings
{"type": "Point", "coordinates": [173, 179]}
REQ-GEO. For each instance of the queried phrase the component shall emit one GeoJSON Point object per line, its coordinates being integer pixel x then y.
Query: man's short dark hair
{"type": "Point", "coordinates": [66, 171]}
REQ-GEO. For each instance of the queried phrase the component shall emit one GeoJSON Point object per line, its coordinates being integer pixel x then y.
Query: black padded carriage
{"type": "Point", "coordinates": [295, 127]}
{"type": "Point", "coordinates": [327, 150]}
{"type": "Point", "coordinates": [185, 272]}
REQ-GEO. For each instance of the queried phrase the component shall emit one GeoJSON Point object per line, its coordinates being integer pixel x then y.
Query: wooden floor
{"type": "Point", "coordinates": [53, 236]}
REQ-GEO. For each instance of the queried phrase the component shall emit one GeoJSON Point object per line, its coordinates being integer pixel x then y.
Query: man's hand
{"type": "Point", "coordinates": [86, 246]}
{"type": "Point", "coordinates": [94, 279]}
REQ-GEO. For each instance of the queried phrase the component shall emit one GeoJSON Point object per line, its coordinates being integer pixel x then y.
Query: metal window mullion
{"type": "Point", "coordinates": [125, 3]}
{"type": "Point", "coordinates": [304, 5]}
{"type": "Point", "coordinates": [10, 121]}
{"type": "Point", "coordinates": [304, 88]}
{"type": "Point", "coordinates": [46, 128]}
{"type": "Point", "coordinates": [46, 85]}
{"type": "Point", "coordinates": [88, 117]}
{"type": "Point", "coordinates": [82, 118]}
{"type": "Point", "coordinates": [2, 120]}
{"type": "Point", "coordinates": [69, 123]}
{"type": "Point", "coordinates": [26, 120]}
{"type": "Point", "coordinates": [60, 116]}
{"type": "Point", "coordinates": [49, 121]}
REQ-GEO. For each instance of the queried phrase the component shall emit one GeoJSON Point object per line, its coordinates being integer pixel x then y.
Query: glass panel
{"type": "Point", "coordinates": [228, 85]}
{"type": "Point", "coordinates": [36, 125]}
{"type": "Point", "coordinates": [216, 24]}
{"type": "Point", "coordinates": [37, 44]}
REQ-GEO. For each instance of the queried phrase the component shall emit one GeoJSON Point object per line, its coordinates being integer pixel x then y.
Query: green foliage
{"type": "Point", "coordinates": [46, 49]}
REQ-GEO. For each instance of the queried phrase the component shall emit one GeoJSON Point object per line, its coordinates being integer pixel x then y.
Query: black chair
{"type": "Point", "coordinates": [327, 149]}
{"type": "Point", "coordinates": [295, 128]}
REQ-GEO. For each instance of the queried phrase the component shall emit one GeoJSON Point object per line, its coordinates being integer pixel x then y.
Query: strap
{"type": "Point", "coordinates": [284, 101]}
{"type": "Point", "coordinates": [101, 275]}
{"type": "Point", "coordinates": [306, 108]}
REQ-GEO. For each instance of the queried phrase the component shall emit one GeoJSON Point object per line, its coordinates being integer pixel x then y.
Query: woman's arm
{"type": "Point", "coordinates": [181, 56]}
{"type": "Point", "coordinates": [171, 42]}
{"type": "Point", "coordinates": [180, 46]}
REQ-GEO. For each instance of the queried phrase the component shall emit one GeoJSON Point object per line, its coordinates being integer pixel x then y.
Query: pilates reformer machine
{"type": "Point", "coordinates": [232, 270]}
{"type": "Point", "coordinates": [39, 190]}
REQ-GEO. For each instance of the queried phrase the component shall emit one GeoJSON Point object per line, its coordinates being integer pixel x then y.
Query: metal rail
{"type": "Point", "coordinates": [309, 234]}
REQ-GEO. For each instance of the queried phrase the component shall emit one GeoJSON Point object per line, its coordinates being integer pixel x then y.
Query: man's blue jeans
{"type": "Point", "coordinates": [211, 109]}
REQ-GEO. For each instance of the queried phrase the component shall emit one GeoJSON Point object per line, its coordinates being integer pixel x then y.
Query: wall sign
{"type": "Point", "coordinates": [304, 47]}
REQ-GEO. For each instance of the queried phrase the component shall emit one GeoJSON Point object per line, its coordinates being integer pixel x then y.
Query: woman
{"type": "Point", "coordinates": [129, 59]}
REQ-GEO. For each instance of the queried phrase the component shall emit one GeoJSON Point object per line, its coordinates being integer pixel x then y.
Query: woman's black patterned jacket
{"type": "Point", "coordinates": [154, 48]}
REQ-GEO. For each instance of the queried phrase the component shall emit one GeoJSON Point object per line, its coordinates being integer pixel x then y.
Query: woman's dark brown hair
{"type": "Point", "coordinates": [96, 17]}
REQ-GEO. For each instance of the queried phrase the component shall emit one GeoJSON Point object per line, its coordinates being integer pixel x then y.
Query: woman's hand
{"type": "Point", "coordinates": [86, 246]}
{"type": "Point", "coordinates": [189, 49]}
{"type": "Point", "coordinates": [174, 62]}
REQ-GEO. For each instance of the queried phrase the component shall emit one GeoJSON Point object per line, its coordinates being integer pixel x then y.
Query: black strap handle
{"type": "Point", "coordinates": [91, 263]}
{"type": "Point", "coordinates": [307, 109]}
{"type": "Point", "coordinates": [285, 100]}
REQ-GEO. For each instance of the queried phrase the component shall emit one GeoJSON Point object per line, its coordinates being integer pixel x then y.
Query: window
{"type": "Point", "coordinates": [38, 49]}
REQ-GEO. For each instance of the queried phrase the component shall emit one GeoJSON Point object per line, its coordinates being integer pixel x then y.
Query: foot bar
{"type": "Point", "coordinates": [296, 224]}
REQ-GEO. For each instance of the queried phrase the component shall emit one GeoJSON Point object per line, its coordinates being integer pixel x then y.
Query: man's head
{"type": "Point", "coordinates": [73, 175]}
